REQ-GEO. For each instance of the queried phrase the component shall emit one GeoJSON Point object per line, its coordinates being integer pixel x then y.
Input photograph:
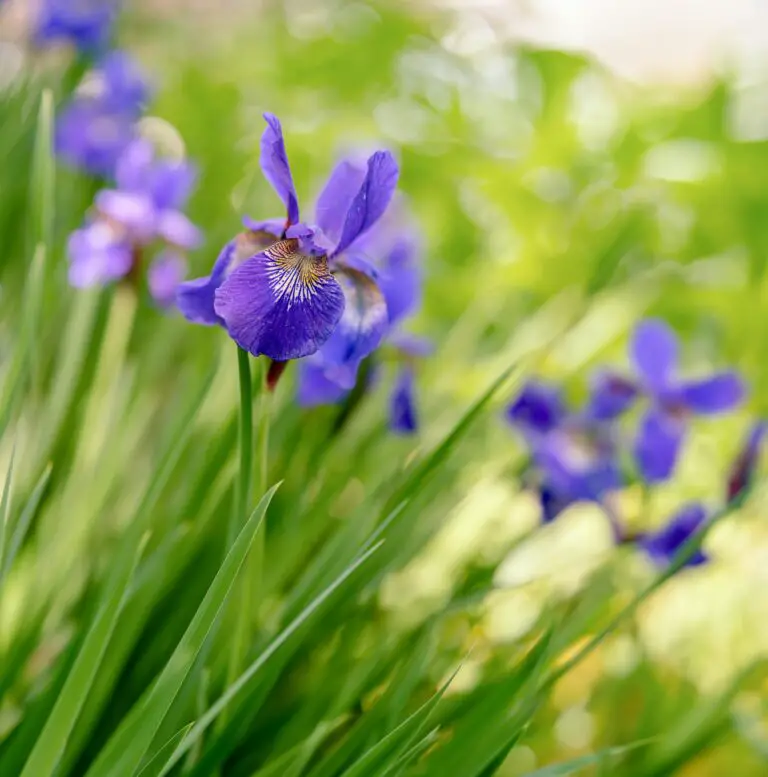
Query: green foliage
{"type": "Point", "coordinates": [148, 627]}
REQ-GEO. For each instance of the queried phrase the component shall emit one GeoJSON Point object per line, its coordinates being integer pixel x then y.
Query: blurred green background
{"type": "Point", "coordinates": [559, 204]}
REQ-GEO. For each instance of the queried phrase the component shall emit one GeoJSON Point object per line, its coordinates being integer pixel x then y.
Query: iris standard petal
{"type": "Point", "coordinates": [663, 545]}
{"type": "Point", "coordinates": [134, 168]}
{"type": "Point", "coordinates": [315, 387]}
{"type": "Point", "coordinates": [403, 416]}
{"type": "Point", "coordinates": [371, 200]}
{"type": "Point", "coordinates": [336, 197]}
{"type": "Point", "coordinates": [400, 279]}
{"type": "Point", "coordinates": [654, 352]}
{"type": "Point", "coordinates": [195, 298]}
{"type": "Point", "coordinates": [164, 276]}
{"type": "Point", "coordinates": [657, 444]}
{"type": "Point", "coordinates": [715, 394]}
{"type": "Point", "coordinates": [280, 303]}
{"type": "Point", "coordinates": [274, 165]}
{"type": "Point", "coordinates": [538, 408]}
{"type": "Point", "coordinates": [611, 395]}
{"type": "Point", "coordinates": [171, 183]}
{"type": "Point", "coordinates": [411, 345]}
{"type": "Point", "coordinates": [133, 211]}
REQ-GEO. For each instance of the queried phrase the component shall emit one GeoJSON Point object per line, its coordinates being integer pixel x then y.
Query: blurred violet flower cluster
{"type": "Point", "coordinates": [584, 455]}
{"type": "Point", "coordinates": [143, 210]}
{"type": "Point", "coordinates": [288, 289]}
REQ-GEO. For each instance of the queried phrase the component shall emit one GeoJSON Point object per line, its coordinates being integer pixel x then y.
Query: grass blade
{"type": "Point", "coordinates": [156, 764]}
{"type": "Point", "coordinates": [124, 753]}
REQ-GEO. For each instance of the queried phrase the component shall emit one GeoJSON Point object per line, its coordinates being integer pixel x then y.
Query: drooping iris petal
{"type": "Point", "coordinates": [371, 200]}
{"type": "Point", "coordinates": [662, 546]}
{"type": "Point", "coordinates": [361, 327]}
{"type": "Point", "coordinates": [195, 298]}
{"type": "Point", "coordinates": [611, 395]}
{"type": "Point", "coordinates": [315, 387]}
{"type": "Point", "coordinates": [336, 197]}
{"type": "Point", "coordinates": [274, 165]}
{"type": "Point", "coordinates": [175, 228]}
{"type": "Point", "coordinates": [403, 417]}
{"type": "Point", "coordinates": [743, 470]}
{"type": "Point", "coordinates": [657, 445]}
{"type": "Point", "coordinates": [280, 303]}
{"type": "Point", "coordinates": [716, 394]}
{"type": "Point", "coordinates": [538, 408]}
{"type": "Point", "coordinates": [97, 255]}
{"type": "Point", "coordinates": [400, 279]}
{"type": "Point", "coordinates": [654, 353]}
{"type": "Point", "coordinates": [164, 276]}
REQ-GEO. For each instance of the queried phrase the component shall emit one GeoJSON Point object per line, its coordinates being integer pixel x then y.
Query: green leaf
{"type": "Point", "coordinates": [155, 765]}
{"type": "Point", "coordinates": [53, 739]}
{"type": "Point", "coordinates": [5, 507]}
{"type": "Point", "coordinates": [577, 764]}
{"type": "Point", "coordinates": [232, 691]}
{"type": "Point", "coordinates": [128, 746]}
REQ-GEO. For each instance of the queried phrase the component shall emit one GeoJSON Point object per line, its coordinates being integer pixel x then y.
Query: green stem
{"type": "Point", "coordinates": [245, 443]}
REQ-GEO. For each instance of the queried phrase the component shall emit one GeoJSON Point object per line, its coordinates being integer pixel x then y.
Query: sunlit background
{"type": "Point", "coordinates": [573, 167]}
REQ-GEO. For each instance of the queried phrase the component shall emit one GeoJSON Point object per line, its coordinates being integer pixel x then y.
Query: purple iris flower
{"type": "Point", "coordinates": [143, 210]}
{"type": "Point", "coordinates": [99, 123]}
{"type": "Point", "coordinates": [573, 454]}
{"type": "Point", "coordinates": [287, 298]}
{"type": "Point", "coordinates": [743, 471]}
{"type": "Point", "coordinates": [165, 273]}
{"type": "Point", "coordinates": [654, 353]}
{"type": "Point", "coordinates": [663, 545]}
{"type": "Point", "coordinates": [87, 24]}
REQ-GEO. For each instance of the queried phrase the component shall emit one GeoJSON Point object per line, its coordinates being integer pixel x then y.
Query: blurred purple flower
{"type": "Point", "coordinates": [574, 455]}
{"type": "Point", "coordinates": [287, 299]}
{"type": "Point", "coordinates": [98, 124]}
{"type": "Point", "coordinates": [86, 24]}
{"type": "Point", "coordinates": [663, 545]}
{"type": "Point", "coordinates": [654, 353]}
{"type": "Point", "coordinates": [142, 210]}
{"type": "Point", "coordinates": [743, 471]}
{"type": "Point", "coordinates": [403, 414]}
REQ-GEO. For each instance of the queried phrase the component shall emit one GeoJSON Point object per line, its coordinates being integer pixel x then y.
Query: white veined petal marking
{"type": "Point", "coordinates": [293, 275]}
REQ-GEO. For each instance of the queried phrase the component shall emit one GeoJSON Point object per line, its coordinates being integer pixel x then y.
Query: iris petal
{"type": "Point", "coordinates": [400, 279]}
{"type": "Point", "coordinates": [662, 546]}
{"type": "Point", "coordinates": [280, 303]}
{"type": "Point", "coordinates": [611, 395]}
{"type": "Point", "coordinates": [336, 197]}
{"type": "Point", "coordinates": [654, 353]}
{"type": "Point", "coordinates": [716, 394]}
{"type": "Point", "coordinates": [361, 327]}
{"type": "Point", "coordinates": [274, 165]}
{"type": "Point", "coordinates": [403, 417]}
{"type": "Point", "coordinates": [164, 276]}
{"type": "Point", "coordinates": [538, 408]}
{"type": "Point", "coordinates": [315, 387]}
{"type": "Point", "coordinates": [658, 444]}
{"type": "Point", "coordinates": [195, 298]}
{"type": "Point", "coordinates": [371, 200]}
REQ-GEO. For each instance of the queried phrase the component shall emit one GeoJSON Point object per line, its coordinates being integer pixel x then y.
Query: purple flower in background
{"type": "Point", "coordinates": [145, 208]}
{"type": "Point", "coordinates": [86, 24]}
{"type": "Point", "coordinates": [663, 545]}
{"type": "Point", "coordinates": [403, 416]}
{"type": "Point", "coordinates": [287, 299]}
{"type": "Point", "coordinates": [743, 470]}
{"type": "Point", "coordinates": [654, 353]}
{"type": "Point", "coordinates": [573, 454]}
{"type": "Point", "coordinates": [98, 124]}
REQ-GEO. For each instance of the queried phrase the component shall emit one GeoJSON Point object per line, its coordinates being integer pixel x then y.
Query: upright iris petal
{"type": "Point", "coordinates": [165, 274]}
{"type": "Point", "coordinates": [274, 165]}
{"type": "Point", "coordinates": [336, 197]}
{"type": "Point", "coordinates": [654, 352]}
{"type": "Point", "coordinates": [280, 303]}
{"type": "Point", "coordinates": [663, 545]}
